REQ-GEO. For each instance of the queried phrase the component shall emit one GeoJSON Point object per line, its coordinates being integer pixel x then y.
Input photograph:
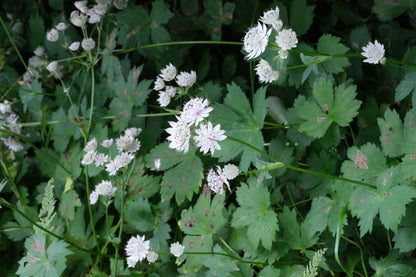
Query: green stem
{"type": "Point", "coordinates": [337, 239]}
{"type": "Point", "coordinates": [87, 188]}
{"type": "Point", "coordinates": [15, 188]}
{"type": "Point", "coordinates": [301, 169]}
{"type": "Point", "coordinates": [293, 203]}
{"type": "Point", "coordinates": [92, 97]}
{"type": "Point", "coordinates": [361, 253]}
{"type": "Point", "coordinates": [13, 44]}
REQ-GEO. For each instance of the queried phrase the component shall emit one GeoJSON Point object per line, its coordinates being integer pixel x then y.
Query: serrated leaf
{"type": "Point", "coordinates": [135, 26]}
{"type": "Point", "coordinates": [219, 265]}
{"type": "Point", "coordinates": [405, 239]}
{"type": "Point", "coordinates": [62, 132]}
{"type": "Point", "coordinates": [301, 24]}
{"type": "Point", "coordinates": [387, 10]}
{"type": "Point", "coordinates": [183, 180]}
{"type": "Point", "coordinates": [317, 218]}
{"type": "Point", "coordinates": [167, 157]}
{"type": "Point", "coordinates": [69, 201]}
{"type": "Point", "coordinates": [391, 133]}
{"type": "Point", "coordinates": [138, 215]}
{"type": "Point", "coordinates": [406, 86]}
{"type": "Point", "coordinates": [160, 12]}
{"type": "Point", "coordinates": [328, 44]}
{"type": "Point", "coordinates": [359, 37]}
{"type": "Point", "coordinates": [345, 105]}
{"type": "Point", "coordinates": [269, 271]}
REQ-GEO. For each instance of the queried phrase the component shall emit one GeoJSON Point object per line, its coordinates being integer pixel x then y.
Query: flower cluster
{"type": "Point", "coordinates": [137, 249]}
{"type": "Point", "coordinates": [127, 144]}
{"type": "Point", "coordinates": [35, 65]}
{"type": "Point", "coordinates": [176, 249]}
{"type": "Point", "coordinates": [8, 120]}
{"type": "Point", "coordinates": [104, 188]}
{"type": "Point", "coordinates": [217, 179]}
{"type": "Point", "coordinates": [206, 136]}
{"type": "Point", "coordinates": [374, 53]}
{"type": "Point", "coordinates": [184, 80]}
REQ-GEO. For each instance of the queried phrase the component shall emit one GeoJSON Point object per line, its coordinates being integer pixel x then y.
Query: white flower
{"type": "Point", "coordinates": [39, 51]}
{"type": "Point", "coordinates": [74, 46]}
{"type": "Point", "coordinates": [207, 137]}
{"type": "Point", "coordinates": [179, 136]}
{"type": "Point", "coordinates": [185, 79]}
{"type": "Point", "coordinates": [128, 144]}
{"type": "Point", "coordinates": [265, 72]}
{"type": "Point", "coordinates": [100, 159]}
{"type": "Point", "coordinates": [136, 249]}
{"type": "Point", "coordinates": [374, 53]}
{"type": "Point", "coordinates": [157, 163]}
{"type": "Point", "coordinates": [176, 249]}
{"type": "Point", "coordinates": [88, 44]}
{"type": "Point", "coordinates": [171, 91]}
{"type": "Point", "coordinates": [112, 167]}
{"type": "Point", "coordinates": [133, 131]}
{"type": "Point", "coordinates": [62, 26]}
{"type": "Point", "coordinates": [12, 144]}
{"type": "Point", "coordinates": [152, 257]}
{"type": "Point", "coordinates": [93, 197]}
{"type": "Point", "coordinates": [159, 84]}
{"type": "Point", "coordinates": [216, 181]}
{"type": "Point", "coordinates": [89, 158]}
{"type": "Point", "coordinates": [163, 99]}
{"type": "Point", "coordinates": [81, 5]}
{"type": "Point", "coordinates": [256, 40]}
{"type": "Point", "coordinates": [123, 159]}
{"type": "Point", "coordinates": [283, 54]}
{"type": "Point", "coordinates": [52, 35]}
{"type": "Point", "coordinates": [78, 19]}
{"type": "Point", "coordinates": [195, 110]}
{"type": "Point", "coordinates": [286, 39]}
{"type": "Point", "coordinates": [272, 18]}
{"type": "Point", "coordinates": [53, 68]}
{"type": "Point", "coordinates": [91, 145]}
{"type": "Point", "coordinates": [168, 73]}
{"type": "Point", "coordinates": [5, 107]}
{"type": "Point", "coordinates": [230, 171]}
{"type": "Point", "coordinates": [100, 8]}
{"type": "Point", "coordinates": [105, 188]}
{"type": "Point", "coordinates": [107, 143]}
{"type": "Point", "coordinates": [94, 17]}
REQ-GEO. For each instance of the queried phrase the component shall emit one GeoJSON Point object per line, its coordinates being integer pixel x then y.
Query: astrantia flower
{"type": "Point", "coordinates": [176, 249]}
{"type": "Point", "coordinates": [88, 44]}
{"type": "Point", "coordinates": [230, 171]}
{"type": "Point", "coordinates": [93, 17]}
{"type": "Point", "coordinates": [185, 79]}
{"type": "Point", "coordinates": [286, 39]}
{"type": "Point", "coordinates": [157, 163]}
{"type": "Point", "coordinates": [168, 73]}
{"type": "Point", "coordinates": [105, 188]}
{"type": "Point", "coordinates": [93, 197]}
{"type": "Point", "coordinates": [89, 158]}
{"type": "Point", "coordinates": [152, 257]}
{"type": "Point", "coordinates": [128, 144]}
{"type": "Point", "coordinates": [91, 145]}
{"type": "Point", "coordinates": [283, 54]}
{"type": "Point", "coordinates": [133, 131]}
{"type": "Point", "coordinates": [272, 18]}
{"type": "Point", "coordinates": [12, 144]}
{"type": "Point", "coordinates": [207, 137]}
{"type": "Point", "coordinates": [256, 40]}
{"type": "Point", "coordinates": [78, 19]}
{"type": "Point", "coordinates": [100, 159]}
{"type": "Point", "coordinates": [136, 249]}
{"type": "Point", "coordinates": [159, 84]}
{"type": "Point", "coordinates": [112, 167]}
{"type": "Point", "coordinates": [179, 135]}
{"type": "Point", "coordinates": [216, 181]}
{"type": "Point", "coordinates": [107, 143]}
{"type": "Point", "coordinates": [39, 51]}
{"type": "Point", "coordinates": [171, 91]}
{"type": "Point", "coordinates": [74, 46]}
{"type": "Point", "coordinates": [5, 107]}
{"type": "Point", "coordinates": [163, 99]}
{"type": "Point", "coordinates": [195, 110]}
{"type": "Point", "coordinates": [374, 53]}
{"type": "Point", "coordinates": [62, 26]}
{"type": "Point", "coordinates": [52, 35]}
{"type": "Point", "coordinates": [123, 159]}
{"type": "Point", "coordinates": [53, 68]}
{"type": "Point", "coordinates": [81, 5]}
{"type": "Point", "coordinates": [265, 72]}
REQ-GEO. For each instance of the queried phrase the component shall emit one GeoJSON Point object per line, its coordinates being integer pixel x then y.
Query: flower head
{"type": "Point", "coordinates": [12, 144]}
{"type": "Point", "coordinates": [180, 134]}
{"type": "Point", "coordinates": [123, 159]}
{"type": "Point", "coordinates": [185, 79]}
{"type": "Point", "coordinates": [272, 18]}
{"type": "Point", "coordinates": [52, 35]}
{"type": "Point", "coordinates": [133, 131]}
{"type": "Point", "coordinates": [374, 53]}
{"type": "Point", "coordinates": [195, 110]}
{"type": "Point", "coordinates": [107, 143]}
{"type": "Point", "coordinates": [78, 19]}
{"type": "Point", "coordinates": [286, 39]}
{"type": "Point", "coordinates": [91, 145]}
{"type": "Point", "coordinates": [152, 257]}
{"type": "Point", "coordinates": [168, 73]}
{"type": "Point", "coordinates": [93, 197]}
{"type": "Point", "coordinates": [230, 171]}
{"type": "Point", "coordinates": [159, 84]}
{"type": "Point", "coordinates": [136, 249]}
{"type": "Point", "coordinates": [88, 44]}
{"type": "Point", "coordinates": [62, 26]}
{"type": "Point", "coordinates": [128, 144]}
{"type": "Point", "coordinates": [89, 158]}
{"type": "Point", "coordinates": [74, 46]}
{"type": "Point", "coordinates": [163, 99]}
{"type": "Point", "coordinates": [112, 167]}
{"type": "Point", "coordinates": [100, 159]}
{"type": "Point", "coordinates": [216, 181]}
{"type": "Point", "coordinates": [265, 72]}
{"type": "Point", "coordinates": [207, 137]}
{"type": "Point", "coordinates": [105, 188]}
{"type": "Point", "coordinates": [39, 51]}
{"type": "Point", "coordinates": [256, 40]}
{"type": "Point", "coordinates": [176, 249]}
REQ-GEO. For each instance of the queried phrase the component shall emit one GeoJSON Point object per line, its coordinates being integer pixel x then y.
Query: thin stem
{"type": "Point", "coordinates": [361, 253]}
{"type": "Point", "coordinates": [15, 188]}
{"type": "Point", "coordinates": [389, 239]}
{"type": "Point", "coordinates": [337, 238]}
{"type": "Point", "coordinates": [92, 97]}
{"type": "Point", "coordinates": [293, 203]}
{"type": "Point", "coordinates": [352, 136]}
{"type": "Point", "coordinates": [87, 188]}
{"type": "Point", "coordinates": [13, 44]}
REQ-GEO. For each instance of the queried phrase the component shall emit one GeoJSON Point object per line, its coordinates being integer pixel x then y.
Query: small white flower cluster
{"type": "Point", "coordinates": [193, 114]}
{"type": "Point", "coordinates": [104, 188]}
{"type": "Point", "coordinates": [216, 180]}
{"type": "Point", "coordinates": [374, 53]}
{"type": "Point", "coordinates": [137, 249]}
{"type": "Point", "coordinates": [176, 249]}
{"type": "Point", "coordinates": [169, 73]}
{"type": "Point", "coordinates": [127, 145]}
{"type": "Point", "coordinates": [256, 40]}
{"type": "Point", "coordinates": [8, 120]}
{"type": "Point", "coordinates": [83, 14]}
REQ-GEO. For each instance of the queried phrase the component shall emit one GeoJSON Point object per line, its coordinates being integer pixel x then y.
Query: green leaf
{"type": "Point", "coordinates": [359, 37]}
{"type": "Point", "coordinates": [405, 239]}
{"type": "Point", "coordinates": [219, 265]}
{"type": "Point", "coordinates": [254, 212]}
{"type": "Point", "coordinates": [62, 132]}
{"type": "Point", "coordinates": [139, 215]}
{"type": "Point", "coordinates": [391, 266]}
{"type": "Point", "coordinates": [406, 86]}
{"type": "Point", "coordinates": [391, 133]}
{"type": "Point", "coordinates": [301, 24]}
{"type": "Point", "coordinates": [269, 271]}
{"type": "Point", "coordinates": [328, 44]}
{"type": "Point", "coordinates": [387, 10]}
{"type": "Point", "coordinates": [69, 201]}
{"type": "Point", "coordinates": [215, 15]}
{"type": "Point", "coordinates": [36, 31]}
{"type": "Point", "coordinates": [160, 12]}
{"type": "Point", "coordinates": [238, 121]}
{"type": "Point", "coordinates": [183, 180]}
{"type": "Point", "coordinates": [135, 25]}
{"type": "Point", "coordinates": [41, 260]}
{"type": "Point", "coordinates": [168, 157]}
{"type": "Point", "coordinates": [317, 218]}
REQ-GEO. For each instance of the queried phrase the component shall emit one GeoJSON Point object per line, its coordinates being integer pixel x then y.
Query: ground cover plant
{"type": "Point", "coordinates": [207, 138]}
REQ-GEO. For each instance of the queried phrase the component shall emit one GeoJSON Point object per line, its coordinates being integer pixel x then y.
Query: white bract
{"type": "Point", "coordinates": [93, 197]}
{"type": "Point", "coordinates": [286, 39]}
{"type": "Point", "coordinates": [163, 99]}
{"type": "Point", "coordinates": [159, 84]}
{"type": "Point", "coordinates": [265, 72]}
{"type": "Point", "coordinates": [176, 249]}
{"type": "Point", "coordinates": [216, 181]}
{"type": "Point", "coordinates": [195, 110]}
{"type": "Point", "coordinates": [256, 40]}
{"type": "Point", "coordinates": [272, 18]}
{"type": "Point", "coordinates": [62, 26]}
{"type": "Point", "coordinates": [374, 53]}
{"type": "Point", "coordinates": [185, 79]}
{"type": "Point", "coordinates": [91, 145]}
{"type": "Point", "coordinates": [128, 144]}
{"type": "Point", "coordinates": [180, 134]}
{"type": "Point", "coordinates": [12, 144]}
{"type": "Point", "coordinates": [208, 136]}
{"type": "Point", "coordinates": [52, 35]}
{"type": "Point", "coordinates": [136, 249]}
{"type": "Point", "coordinates": [105, 188]}
{"type": "Point", "coordinates": [230, 171]}
{"type": "Point", "coordinates": [168, 73]}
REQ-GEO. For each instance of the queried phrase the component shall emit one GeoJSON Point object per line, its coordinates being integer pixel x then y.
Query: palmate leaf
{"type": "Point", "coordinates": [330, 105]}
{"type": "Point", "coordinates": [239, 121]}
{"type": "Point", "coordinates": [330, 45]}
{"type": "Point", "coordinates": [254, 212]}
{"type": "Point", "coordinates": [405, 239]}
{"type": "Point", "coordinates": [301, 24]}
{"type": "Point", "coordinates": [139, 215]}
